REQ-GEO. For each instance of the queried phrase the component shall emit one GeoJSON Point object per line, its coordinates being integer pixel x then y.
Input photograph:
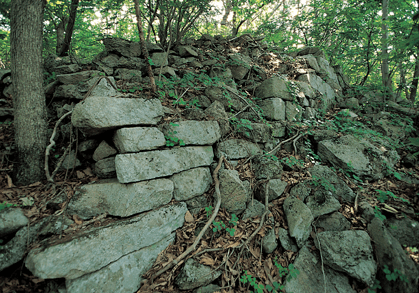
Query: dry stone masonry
{"type": "Point", "coordinates": [146, 188]}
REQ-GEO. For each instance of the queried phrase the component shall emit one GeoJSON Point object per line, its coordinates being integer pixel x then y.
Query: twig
{"type": "Point", "coordinates": [244, 100]}
{"type": "Point", "coordinates": [356, 203]}
{"type": "Point", "coordinates": [321, 258]}
{"type": "Point", "coordinates": [52, 143]}
{"type": "Point", "coordinates": [294, 141]}
{"type": "Point", "coordinates": [242, 110]}
{"type": "Point", "coordinates": [198, 239]}
{"type": "Point", "coordinates": [281, 143]}
{"type": "Point", "coordinates": [100, 217]}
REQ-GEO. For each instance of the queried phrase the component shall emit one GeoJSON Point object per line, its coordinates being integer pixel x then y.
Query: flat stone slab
{"type": "Point", "coordinates": [116, 199]}
{"type": "Point", "coordinates": [194, 132]}
{"type": "Point", "coordinates": [135, 139]}
{"type": "Point", "coordinates": [191, 183]}
{"type": "Point", "coordinates": [123, 275]}
{"type": "Point", "coordinates": [154, 164]}
{"type": "Point", "coordinates": [96, 248]}
{"type": "Point", "coordinates": [234, 149]}
{"type": "Point", "coordinates": [98, 114]}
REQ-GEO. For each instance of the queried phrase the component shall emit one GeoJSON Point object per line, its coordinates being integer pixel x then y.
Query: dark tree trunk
{"type": "Point", "coordinates": [144, 46]}
{"type": "Point", "coordinates": [70, 27]}
{"type": "Point", "coordinates": [414, 88]}
{"type": "Point", "coordinates": [60, 35]}
{"type": "Point", "coordinates": [28, 94]}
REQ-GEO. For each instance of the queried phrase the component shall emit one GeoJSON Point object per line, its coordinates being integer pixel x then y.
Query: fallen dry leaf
{"type": "Point", "coordinates": [9, 181]}
{"type": "Point", "coordinates": [77, 220]}
{"type": "Point", "coordinates": [207, 261]}
{"type": "Point", "coordinates": [188, 217]}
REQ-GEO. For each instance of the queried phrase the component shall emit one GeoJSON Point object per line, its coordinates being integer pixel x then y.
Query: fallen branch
{"type": "Point", "coordinates": [201, 234]}
{"type": "Point", "coordinates": [275, 149]}
{"type": "Point", "coordinates": [293, 143]}
{"type": "Point", "coordinates": [244, 100]}
{"type": "Point", "coordinates": [52, 143]}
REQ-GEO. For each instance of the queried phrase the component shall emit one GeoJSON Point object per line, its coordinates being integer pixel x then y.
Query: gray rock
{"type": "Point", "coordinates": [234, 193]}
{"type": "Point", "coordinates": [211, 288]}
{"type": "Point", "coordinates": [187, 51]}
{"type": "Point", "coordinates": [191, 183]}
{"type": "Point", "coordinates": [4, 73]}
{"type": "Point", "coordinates": [78, 256]}
{"type": "Point", "coordinates": [254, 209]}
{"type": "Point", "coordinates": [227, 99]}
{"type": "Point", "coordinates": [274, 87]}
{"type": "Point", "coordinates": [129, 75]}
{"type": "Point", "coordinates": [68, 91]}
{"type": "Point", "coordinates": [11, 220]}
{"type": "Point", "coordinates": [328, 94]}
{"type": "Point", "coordinates": [259, 132]}
{"type": "Point", "coordinates": [405, 230]}
{"type": "Point", "coordinates": [87, 145]}
{"type": "Point", "coordinates": [266, 168]}
{"type": "Point", "coordinates": [269, 243]}
{"type": "Point", "coordinates": [322, 202]}
{"type": "Point", "coordinates": [194, 274]}
{"type": "Point", "coordinates": [309, 113]}
{"type": "Point", "coordinates": [194, 132]}
{"type": "Point", "coordinates": [311, 280]}
{"type": "Point", "coordinates": [286, 241]}
{"type": "Point", "coordinates": [333, 222]}
{"type": "Point", "coordinates": [311, 61]}
{"type": "Point", "coordinates": [103, 151]}
{"type": "Point", "coordinates": [71, 161]}
{"type": "Point", "coordinates": [302, 190]}
{"type": "Point", "coordinates": [328, 73]}
{"type": "Point", "coordinates": [276, 188]}
{"type": "Point", "coordinates": [390, 254]}
{"type": "Point", "coordinates": [122, 200]}
{"type": "Point", "coordinates": [194, 114]}
{"type": "Point", "coordinates": [75, 78]}
{"type": "Point", "coordinates": [367, 161]}
{"type": "Point", "coordinates": [105, 168]}
{"type": "Point", "coordinates": [330, 181]}
{"type": "Point", "coordinates": [273, 109]}
{"type": "Point", "coordinates": [366, 210]}
{"type": "Point", "coordinates": [293, 112]}
{"type": "Point", "coordinates": [93, 118]}
{"type": "Point", "coordinates": [349, 252]}
{"type": "Point", "coordinates": [234, 149]}
{"type": "Point", "coordinates": [197, 203]}
{"type": "Point", "coordinates": [278, 130]}
{"type": "Point", "coordinates": [153, 164]}
{"type": "Point", "coordinates": [351, 103]}
{"type": "Point", "coordinates": [299, 219]}
{"type": "Point", "coordinates": [135, 139]}
{"type": "Point", "coordinates": [106, 87]}
{"type": "Point", "coordinates": [122, 47]}
{"type": "Point", "coordinates": [123, 275]}
{"type": "Point", "coordinates": [216, 111]}
{"type": "Point", "coordinates": [159, 59]}
{"type": "Point", "coordinates": [111, 60]}
{"type": "Point", "coordinates": [65, 69]}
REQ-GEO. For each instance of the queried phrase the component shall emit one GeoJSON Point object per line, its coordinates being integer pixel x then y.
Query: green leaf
{"type": "Point", "coordinates": [397, 175]}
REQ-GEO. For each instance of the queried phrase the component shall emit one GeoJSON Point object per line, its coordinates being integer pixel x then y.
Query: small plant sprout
{"type": "Point", "coordinates": [209, 210]}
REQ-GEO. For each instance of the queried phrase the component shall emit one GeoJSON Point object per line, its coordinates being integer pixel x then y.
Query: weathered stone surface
{"type": "Point", "coordinates": [122, 200]}
{"type": "Point", "coordinates": [293, 112]}
{"type": "Point", "coordinates": [197, 203]}
{"type": "Point", "coordinates": [405, 230]}
{"type": "Point", "coordinates": [367, 161]}
{"type": "Point", "coordinates": [106, 87]}
{"type": "Point", "coordinates": [98, 114]}
{"type": "Point", "coordinates": [187, 51]}
{"type": "Point", "coordinates": [131, 75]}
{"type": "Point", "coordinates": [215, 93]}
{"type": "Point", "coordinates": [78, 256]}
{"type": "Point", "coordinates": [286, 242]}
{"type": "Point", "coordinates": [349, 252]}
{"type": "Point", "coordinates": [328, 94]}
{"type": "Point", "coordinates": [239, 65]}
{"type": "Point", "coordinates": [328, 73]}
{"type": "Point", "coordinates": [159, 59]}
{"type": "Point", "coordinates": [265, 168]}
{"type": "Point", "coordinates": [70, 161]}
{"type": "Point", "coordinates": [269, 243]}
{"type": "Point", "coordinates": [216, 111]}
{"type": "Point", "coordinates": [123, 275]}
{"type": "Point", "coordinates": [260, 132]}
{"type": "Point", "coordinates": [273, 109]}
{"type": "Point", "coordinates": [311, 61]}
{"type": "Point", "coordinates": [274, 87]}
{"type": "Point", "coordinates": [194, 275]}
{"type": "Point", "coordinates": [191, 183]}
{"type": "Point", "coordinates": [275, 189]}
{"type": "Point", "coordinates": [254, 209]}
{"type": "Point", "coordinates": [153, 164]}
{"type": "Point", "coordinates": [278, 130]}
{"type": "Point", "coordinates": [122, 47]}
{"type": "Point", "coordinates": [75, 78]}
{"type": "Point", "coordinates": [11, 220]}
{"type": "Point", "coordinates": [105, 168]}
{"type": "Point", "coordinates": [89, 144]}
{"type": "Point", "coordinates": [65, 69]}
{"type": "Point", "coordinates": [135, 139]}
{"type": "Point", "coordinates": [194, 132]}
{"type": "Point", "coordinates": [234, 193]}
{"type": "Point", "coordinates": [69, 91]}
{"type": "Point", "coordinates": [333, 222]}
{"type": "Point", "coordinates": [322, 202]}
{"type": "Point", "coordinates": [103, 151]}
{"type": "Point", "coordinates": [390, 253]}
{"type": "Point", "coordinates": [111, 60]}
{"type": "Point", "coordinates": [311, 279]}
{"type": "Point", "coordinates": [302, 190]}
{"type": "Point", "coordinates": [299, 219]}
{"type": "Point", "coordinates": [234, 149]}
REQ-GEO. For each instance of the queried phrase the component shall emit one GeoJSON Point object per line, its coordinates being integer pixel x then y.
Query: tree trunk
{"type": "Point", "coordinates": [70, 28]}
{"type": "Point", "coordinates": [60, 28]}
{"type": "Point", "coordinates": [385, 72]}
{"type": "Point", "coordinates": [414, 89]}
{"type": "Point", "coordinates": [28, 94]}
{"type": "Point", "coordinates": [144, 46]}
